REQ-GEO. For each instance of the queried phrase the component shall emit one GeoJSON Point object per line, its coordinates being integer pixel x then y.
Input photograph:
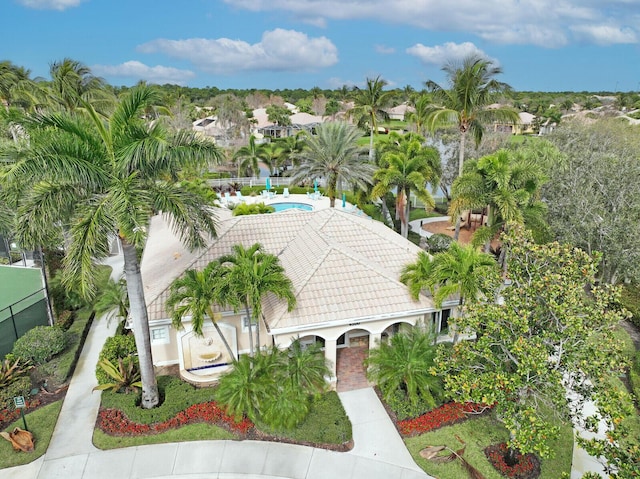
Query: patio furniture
{"type": "Point", "coordinates": [285, 193]}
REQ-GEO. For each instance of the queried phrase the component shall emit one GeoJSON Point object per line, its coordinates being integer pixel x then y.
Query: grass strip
{"type": "Point", "coordinates": [190, 432]}
{"type": "Point", "coordinates": [479, 433]}
{"type": "Point", "coordinates": [41, 423]}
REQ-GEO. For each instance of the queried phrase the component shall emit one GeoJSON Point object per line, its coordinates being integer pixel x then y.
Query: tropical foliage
{"type": "Point", "coordinates": [333, 153]}
{"type": "Point", "coordinates": [92, 178]}
{"type": "Point", "coordinates": [407, 167]}
{"type": "Point", "coordinates": [405, 363]}
{"type": "Point", "coordinates": [195, 294]}
{"type": "Point", "coordinates": [370, 104]}
{"type": "Point", "coordinates": [274, 386]}
{"type": "Point", "coordinates": [250, 274]}
{"type": "Point", "coordinates": [543, 334]}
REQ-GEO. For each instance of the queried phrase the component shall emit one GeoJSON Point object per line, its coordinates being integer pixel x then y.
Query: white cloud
{"type": "Point", "coordinates": [50, 4]}
{"type": "Point", "coordinates": [441, 54]}
{"type": "Point", "coordinates": [278, 50]}
{"type": "Point", "coordinates": [546, 23]}
{"type": "Point", "coordinates": [139, 71]}
{"type": "Point", "coordinates": [604, 34]}
{"type": "Point", "coordinates": [384, 50]}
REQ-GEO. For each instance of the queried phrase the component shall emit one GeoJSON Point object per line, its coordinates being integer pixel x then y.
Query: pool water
{"type": "Point", "coordinates": [289, 206]}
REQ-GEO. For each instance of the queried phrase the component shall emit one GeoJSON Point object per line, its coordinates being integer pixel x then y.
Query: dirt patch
{"type": "Point", "coordinates": [445, 227]}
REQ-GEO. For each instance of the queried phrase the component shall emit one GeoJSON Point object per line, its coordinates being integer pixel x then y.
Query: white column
{"type": "Point", "coordinates": [330, 354]}
{"type": "Point", "coordinates": [374, 340]}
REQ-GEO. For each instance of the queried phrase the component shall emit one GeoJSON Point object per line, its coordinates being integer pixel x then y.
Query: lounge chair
{"type": "Point", "coordinates": [239, 197]}
{"type": "Point", "coordinates": [285, 193]}
{"type": "Point", "coordinates": [227, 197]}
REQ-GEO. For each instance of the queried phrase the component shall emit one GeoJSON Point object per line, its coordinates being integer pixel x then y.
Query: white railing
{"type": "Point", "coordinates": [276, 181]}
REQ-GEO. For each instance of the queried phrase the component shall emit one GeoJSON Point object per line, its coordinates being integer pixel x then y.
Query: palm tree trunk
{"type": "Point", "coordinates": [258, 335]}
{"type": "Point", "coordinates": [224, 340]}
{"type": "Point", "coordinates": [456, 335]}
{"type": "Point", "coordinates": [463, 137]}
{"type": "Point", "coordinates": [138, 309]}
{"type": "Point", "coordinates": [456, 233]}
{"type": "Point", "coordinates": [405, 220]}
{"type": "Point", "coordinates": [246, 308]}
{"type": "Point", "coordinates": [371, 144]}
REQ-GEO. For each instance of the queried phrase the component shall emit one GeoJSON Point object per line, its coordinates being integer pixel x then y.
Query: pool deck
{"type": "Point", "coordinates": [318, 204]}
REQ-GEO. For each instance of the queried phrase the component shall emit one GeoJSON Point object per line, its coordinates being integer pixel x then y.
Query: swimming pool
{"type": "Point", "coordinates": [291, 205]}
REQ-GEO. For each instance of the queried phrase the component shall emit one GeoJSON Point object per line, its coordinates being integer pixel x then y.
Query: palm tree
{"type": "Point", "coordinates": [195, 294]}
{"type": "Point", "coordinates": [250, 156]}
{"type": "Point", "coordinates": [72, 83]}
{"type": "Point", "coordinates": [466, 103]}
{"type": "Point", "coordinates": [507, 184]}
{"type": "Point", "coordinates": [243, 389]}
{"type": "Point", "coordinates": [90, 177]}
{"type": "Point", "coordinates": [253, 274]}
{"type": "Point", "coordinates": [113, 300]}
{"type": "Point", "coordinates": [333, 153]}
{"type": "Point", "coordinates": [306, 368]}
{"type": "Point", "coordinates": [420, 116]}
{"type": "Point", "coordinates": [17, 89]}
{"type": "Point", "coordinates": [417, 276]}
{"type": "Point", "coordinates": [461, 270]}
{"type": "Point", "coordinates": [405, 363]}
{"type": "Point", "coordinates": [370, 104]}
{"type": "Point", "coordinates": [408, 168]}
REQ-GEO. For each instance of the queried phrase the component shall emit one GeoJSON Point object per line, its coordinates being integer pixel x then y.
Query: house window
{"type": "Point", "coordinates": [444, 320]}
{"type": "Point", "coordinates": [245, 324]}
{"type": "Point", "coordinates": [160, 335]}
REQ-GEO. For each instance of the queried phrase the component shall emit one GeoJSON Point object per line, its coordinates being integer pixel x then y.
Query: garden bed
{"type": "Point", "coordinates": [122, 423]}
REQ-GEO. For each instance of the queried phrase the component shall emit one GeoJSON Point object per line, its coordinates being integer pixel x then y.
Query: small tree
{"type": "Point", "coordinates": [549, 330]}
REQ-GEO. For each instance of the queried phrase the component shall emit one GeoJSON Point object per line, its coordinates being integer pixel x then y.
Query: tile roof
{"type": "Point", "coordinates": [342, 266]}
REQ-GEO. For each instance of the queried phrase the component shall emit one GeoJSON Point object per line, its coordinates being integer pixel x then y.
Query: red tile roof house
{"type": "Point", "coordinates": [345, 271]}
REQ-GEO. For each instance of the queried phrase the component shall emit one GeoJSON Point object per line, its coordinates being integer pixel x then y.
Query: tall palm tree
{"type": "Point", "coordinates": [420, 116]}
{"type": "Point", "coordinates": [370, 104]}
{"type": "Point", "coordinates": [468, 103]}
{"type": "Point", "coordinates": [195, 294]}
{"type": "Point", "coordinates": [408, 168]}
{"type": "Point", "coordinates": [72, 82]}
{"type": "Point", "coordinates": [17, 89]}
{"type": "Point", "coordinates": [404, 363]}
{"type": "Point", "coordinates": [253, 274]}
{"type": "Point", "coordinates": [92, 177]}
{"type": "Point", "coordinates": [249, 157]}
{"type": "Point", "coordinates": [465, 104]}
{"type": "Point", "coordinates": [333, 153]}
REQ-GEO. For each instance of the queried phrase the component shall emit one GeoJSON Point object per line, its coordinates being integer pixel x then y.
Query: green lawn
{"type": "Point", "coordinates": [479, 433]}
{"type": "Point", "coordinates": [41, 423]}
{"type": "Point", "coordinates": [190, 432]}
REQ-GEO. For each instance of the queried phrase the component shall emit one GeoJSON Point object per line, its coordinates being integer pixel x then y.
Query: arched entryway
{"type": "Point", "coordinates": [352, 350]}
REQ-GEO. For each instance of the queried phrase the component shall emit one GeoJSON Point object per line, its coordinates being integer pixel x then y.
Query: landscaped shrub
{"type": "Point", "coordinates": [326, 423]}
{"type": "Point", "coordinates": [252, 209]}
{"type": "Point", "coordinates": [438, 242]}
{"type": "Point", "coordinates": [40, 344]}
{"type": "Point", "coordinates": [175, 396]}
{"type": "Point", "coordinates": [115, 348]}
{"type": "Point", "coordinates": [20, 387]}
{"type": "Point", "coordinates": [405, 409]}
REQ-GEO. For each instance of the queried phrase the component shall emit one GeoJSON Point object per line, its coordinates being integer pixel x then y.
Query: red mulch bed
{"type": "Point", "coordinates": [115, 423]}
{"type": "Point", "coordinates": [527, 466]}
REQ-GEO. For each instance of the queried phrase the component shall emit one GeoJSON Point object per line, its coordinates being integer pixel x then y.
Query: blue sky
{"type": "Point", "coordinates": [541, 45]}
